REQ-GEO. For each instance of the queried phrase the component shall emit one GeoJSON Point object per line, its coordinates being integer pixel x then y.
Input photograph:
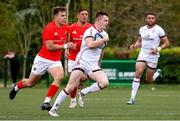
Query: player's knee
{"type": "Point", "coordinates": [60, 77]}
{"type": "Point", "coordinates": [70, 87]}
{"type": "Point", "coordinates": [57, 80]}
{"type": "Point", "coordinates": [104, 84]}
{"type": "Point", "coordinates": [107, 83]}
{"type": "Point", "coordinates": [83, 78]}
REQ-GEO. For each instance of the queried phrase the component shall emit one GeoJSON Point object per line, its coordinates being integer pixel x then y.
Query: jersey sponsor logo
{"type": "Point", "coordinates": [61, 40]}
{"type": "Point", "coordinates": [147, 37]}
{"type": "Point", "coordinates": [76, 38]}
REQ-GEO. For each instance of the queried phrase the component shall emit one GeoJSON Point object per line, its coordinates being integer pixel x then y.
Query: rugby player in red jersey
{"type": "Point", "coordinates": [54, 39]}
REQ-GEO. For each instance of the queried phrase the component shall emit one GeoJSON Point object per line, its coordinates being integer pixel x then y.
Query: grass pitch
{"type": "Point", "coordinates": [163, 103]}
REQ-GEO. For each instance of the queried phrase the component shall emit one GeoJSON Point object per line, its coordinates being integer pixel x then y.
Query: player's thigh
{"type": "Point", "coordinates": [74, 80]}
{"type": "Point", "coordinates": [140, 66]}
{"type": "Point", "coordinates": [100, 77]}
{"type": "Point", "coordinates": [57, 73]}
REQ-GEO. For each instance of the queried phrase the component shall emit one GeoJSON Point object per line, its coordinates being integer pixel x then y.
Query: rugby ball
{"type": "Point", "coordinates": [99, 36]}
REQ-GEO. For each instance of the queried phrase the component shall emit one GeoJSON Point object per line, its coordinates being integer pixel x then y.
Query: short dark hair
{"type": "Point", "coordinates": [98, 14]}
{"type": "Point", "coordinates": [58, 9]}
{"type": "Point", "coordinates": [82, 9]}
{"type": "Point", "coordinates": [150, 13]}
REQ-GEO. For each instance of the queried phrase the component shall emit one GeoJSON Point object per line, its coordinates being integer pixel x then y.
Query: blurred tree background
{"type": "Point", "coordinates": [22, 21]}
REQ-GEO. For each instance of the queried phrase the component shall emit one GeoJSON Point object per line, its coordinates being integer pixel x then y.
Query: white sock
{"type": "Point", "coordinates": [73, 99]}
{"type": "Point", "coordinates": [47, 100]}
{"type": "Point", "coordinates": [59, 100]}
{"type": "Point", "coordinates": [16, 88]}
{"type": "Point", "coordinates": [135, 87]}
{"type": "Point", "coordinates": [93, 88]}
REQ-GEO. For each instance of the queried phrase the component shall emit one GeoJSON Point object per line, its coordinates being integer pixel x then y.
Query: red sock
{"type": "Point", "coordinates": [20, 85]}
{"type": "Point", "coordinates": [73, 93]}
{"type": "Point", "coordinates": [52, 91]}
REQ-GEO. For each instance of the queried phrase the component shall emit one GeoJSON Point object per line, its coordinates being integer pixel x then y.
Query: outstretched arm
{"type": "Point", "coordinates": [137, 43]}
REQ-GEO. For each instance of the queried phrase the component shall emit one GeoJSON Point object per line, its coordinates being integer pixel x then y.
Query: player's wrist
{"type": "Point", "coordinates": [159, 49]}
{"type": "Point", "coordinates": [65, 46]}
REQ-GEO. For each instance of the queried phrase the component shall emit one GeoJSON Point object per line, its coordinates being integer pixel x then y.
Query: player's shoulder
{"type": "Point", "coordinates": [158, 27]}
{"type": "Point", "coordinates": [88, 25]}
{"type": "Point", "coordinates": [91, 28]}
{"type": "Point", "coordinates": [49, 26]}
{"type": "Point", "coordinates": [143, 27]}
{"type": "Point", "coordinates": [90, 31]}
{"type": "Point", "coordinates": [75, 24]}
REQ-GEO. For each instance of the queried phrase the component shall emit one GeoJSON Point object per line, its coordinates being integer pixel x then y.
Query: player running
{"type": "Point", "coordinates": [77, 30]}
{"type": "Point", "coordinates": [87, 62]}
{"type": "Point", "coordinates": [48, 58]}
{"type": "Point", "coordinates": [148, 40]}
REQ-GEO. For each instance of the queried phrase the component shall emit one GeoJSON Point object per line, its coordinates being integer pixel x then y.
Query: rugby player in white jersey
{"type": "Point", "coordinates": [87, 62]}
{"type": "Point", "coordinates": [149, 39]}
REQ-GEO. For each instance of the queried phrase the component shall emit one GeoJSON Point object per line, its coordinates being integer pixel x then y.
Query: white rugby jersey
{"type": "Point", "coordinates": [150, 37]}
{"type": "Point", "coordinates": [90, 55]}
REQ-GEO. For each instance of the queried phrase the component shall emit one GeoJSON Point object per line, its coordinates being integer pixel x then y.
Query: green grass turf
{"type": "Point", "coordinates": [109, 104]}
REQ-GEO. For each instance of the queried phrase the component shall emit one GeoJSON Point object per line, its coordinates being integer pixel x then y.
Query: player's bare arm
{"type": "Point", "coordinates": [91, 43]}
{"type": "Point", "coordinates": [137, 43]}
{"type": "Point", "coordinates": [66, 53]}
{"type": "Point", "coordinates": [165, 44]}
{"type": "Point", "coordinates": [53, 47]}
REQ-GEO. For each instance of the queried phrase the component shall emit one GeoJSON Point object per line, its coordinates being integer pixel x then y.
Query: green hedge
{"type": "Point", "coordinates": [169, 62]}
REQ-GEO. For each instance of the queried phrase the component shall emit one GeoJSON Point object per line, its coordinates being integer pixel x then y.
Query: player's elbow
{"type": "Point", "coordinates": [167, 44]}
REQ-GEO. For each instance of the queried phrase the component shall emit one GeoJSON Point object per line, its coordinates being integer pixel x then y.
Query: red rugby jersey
{"type": "Point", "coordinates": [56, 34]}
{"type": "Point", "coordinates": [76, 34]}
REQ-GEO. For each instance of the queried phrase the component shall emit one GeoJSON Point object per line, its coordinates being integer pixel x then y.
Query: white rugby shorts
{"type": "Point", "coordinates": [88, 68]}
{"type": "Point", "coordinates": [150, 59]}
{"type": "Point", "coordinates": [41, 65]}
{"type": "Point", "coordinates": [71, 65]}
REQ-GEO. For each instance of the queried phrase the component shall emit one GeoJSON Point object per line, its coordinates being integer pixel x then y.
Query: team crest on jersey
{"type": "Point", "coordinates": [147, 36]}
{"type": "Point", "coordinates": [74, 32]}
{"type": "Point", "coordinates": [55, 33]}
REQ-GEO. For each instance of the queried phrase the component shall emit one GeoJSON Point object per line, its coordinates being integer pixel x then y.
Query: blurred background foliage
{"type": "Point", "coordinates": [22, 22]}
